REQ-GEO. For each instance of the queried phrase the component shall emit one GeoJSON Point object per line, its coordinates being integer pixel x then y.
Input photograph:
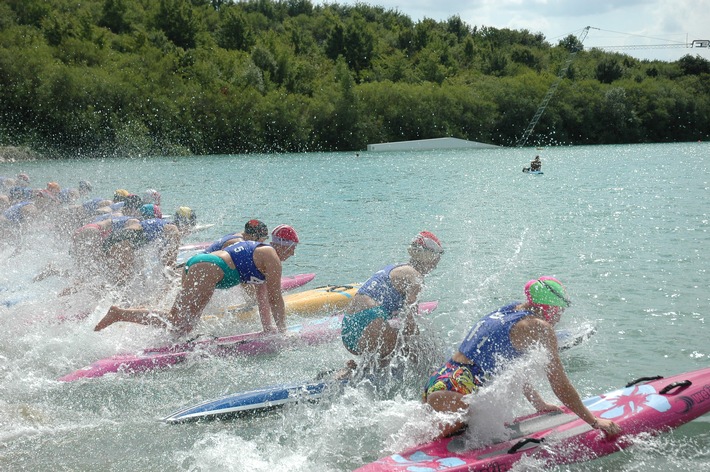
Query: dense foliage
{"type": "Point", "coordinates": [200, 76]}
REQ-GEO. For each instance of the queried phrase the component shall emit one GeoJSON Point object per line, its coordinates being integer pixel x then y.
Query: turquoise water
{"type": "Point", "coordinates": [625, 227]}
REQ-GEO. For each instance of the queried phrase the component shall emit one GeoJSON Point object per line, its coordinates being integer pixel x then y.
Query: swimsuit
{"type": "Point", "coordinates": [242, 255]}
{"type": "Point", "coordinates": [378, 287]}
{"type": "Point", "coordinates": [14, 213]}
{"type": "Point", "coordinates": [355, 324]}
{"type": "Point", "coordinates": [217, 245]}
{"type": "Point", "coordinates": [455, 377]}
{"type": "Point", "coordinates": [231, 276]}
{"type": "Point", "coordinates": [487, 343]}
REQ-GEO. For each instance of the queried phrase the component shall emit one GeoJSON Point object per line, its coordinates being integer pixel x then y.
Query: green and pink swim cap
{"type": "Point", "coordinates": [547, 292]}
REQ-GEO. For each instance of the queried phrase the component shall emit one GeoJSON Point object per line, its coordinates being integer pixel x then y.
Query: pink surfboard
{"type": "Point", "coordinates": [316, 332]}
{"type": "Point", "coordinates": [648, 405]}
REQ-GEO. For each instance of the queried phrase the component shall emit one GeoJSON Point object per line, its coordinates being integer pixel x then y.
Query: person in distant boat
{"type": "Point", "coordinates": [248, 262]}
{"type": "Point", "coordinates": [536, 164]}
{"type": "Point", "coordinates": [501, 336]}
{"type": "Point", "coordinates": [391, 292]}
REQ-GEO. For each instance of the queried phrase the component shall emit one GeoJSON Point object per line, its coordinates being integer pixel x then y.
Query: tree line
{"type": "Point", "coordinates": [126, 77]}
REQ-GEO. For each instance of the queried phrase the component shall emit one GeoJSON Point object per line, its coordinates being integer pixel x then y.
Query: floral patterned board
{"type": "Point", "coordinates": [648, 405]}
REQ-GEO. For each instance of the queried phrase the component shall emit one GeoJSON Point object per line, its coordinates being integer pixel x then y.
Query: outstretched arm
{"type": "Point", "coordinates": [268, 262]}
{"type": "Point", "coordinates": [565, 391]}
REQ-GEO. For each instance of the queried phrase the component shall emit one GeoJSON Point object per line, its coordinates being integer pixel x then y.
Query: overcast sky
{"type": "Point", "coordinates": [614, 23]}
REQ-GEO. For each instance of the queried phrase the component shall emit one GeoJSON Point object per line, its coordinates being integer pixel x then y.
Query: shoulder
{"type": "Point", "coordinates": [406, 272]}
{"type": "Point", "coordinates": [530, 330]}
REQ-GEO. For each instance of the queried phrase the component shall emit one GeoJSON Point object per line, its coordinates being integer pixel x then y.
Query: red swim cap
{"type": "Point", "coordinates": [427, 240]}
{"type": "Point", "coordinates": [256, 228]}
{"type": "Point", "coordinates": [284, 235]}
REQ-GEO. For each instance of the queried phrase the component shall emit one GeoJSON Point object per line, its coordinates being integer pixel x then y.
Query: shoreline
{"type": "Point", "coordinates": [17, 153]}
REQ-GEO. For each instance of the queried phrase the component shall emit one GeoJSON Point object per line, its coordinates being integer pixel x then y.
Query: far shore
{"type": "Point", "coordinates": [15, 154]}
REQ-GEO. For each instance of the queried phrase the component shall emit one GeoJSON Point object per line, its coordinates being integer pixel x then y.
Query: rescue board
{"type": "Point", "coordinates": [647, 405]}
{"type": "Point", "coordinates": [268, 398]}
{"type": "Point", "coordinates": [265, 399]}
{"type": "Point", "coordinates": [315, 332]}
{"type": "Point", "coordinates": [317, 301]}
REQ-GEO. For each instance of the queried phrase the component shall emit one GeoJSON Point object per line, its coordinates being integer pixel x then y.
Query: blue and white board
{"type": "Point", "coordinates": [255, 401]}
{"type": "Point", "coordinates": [269, 398]}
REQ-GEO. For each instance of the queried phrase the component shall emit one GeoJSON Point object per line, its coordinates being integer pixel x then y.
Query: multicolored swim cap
{"type": "Point", "coordinates": [284, 235]}
{"type": "Point", "coordinates": [150, 210]}
{"type": "Point", "coordinates": [546, 291]}
{"type": "Point", "coordinates": [185, 217]}
{"type": "Point", "coordinates": [427, 240]}
{"type": "Point", "coordinates": [257, 229]}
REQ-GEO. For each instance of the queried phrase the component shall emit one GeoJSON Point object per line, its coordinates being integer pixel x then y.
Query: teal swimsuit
{"type": "Point", "coordinates": [355, 324]}
{"type": "Point", "coordinates": [231, 276]}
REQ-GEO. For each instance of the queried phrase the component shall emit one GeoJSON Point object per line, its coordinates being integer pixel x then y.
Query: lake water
{"type": "Point", "coordinates": [626, 228]}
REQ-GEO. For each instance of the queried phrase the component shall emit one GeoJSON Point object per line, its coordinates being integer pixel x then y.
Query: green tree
{"type": "Point", "coordinates": [609, 70]}
{"type": "Point", "coordinates": [694, 65]}
{"type": "Point", "coordinates": [176, 19]}
{"type": "Point", "coordinates": [113, 16]}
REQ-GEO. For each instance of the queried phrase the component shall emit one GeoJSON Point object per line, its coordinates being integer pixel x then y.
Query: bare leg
{"type": "Point", "coordinates": [447, 401]}
{"type": "Point", "coordinates": [381, 338]}
{"type": "Point", "coordinates": [132, 315]}
{"type": "Point", "coordinates": [198, 285]}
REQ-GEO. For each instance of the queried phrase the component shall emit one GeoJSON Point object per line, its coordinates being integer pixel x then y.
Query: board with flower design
{"type": "Point", "coordinates": [648, 405]}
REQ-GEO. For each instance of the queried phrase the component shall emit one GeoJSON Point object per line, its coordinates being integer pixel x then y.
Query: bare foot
{"type": "Point", "coordinates": [347, 372]}
{"type": "Point", "coordinates": [111, 317]}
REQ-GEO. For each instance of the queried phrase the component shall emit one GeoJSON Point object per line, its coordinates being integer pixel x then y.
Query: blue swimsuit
{"type": "Point", "coordinates": [485, 344]}
{"type": "Point", "coordinates": [242, 255]}
{"type": "Point", "coordinates": [378, 287]}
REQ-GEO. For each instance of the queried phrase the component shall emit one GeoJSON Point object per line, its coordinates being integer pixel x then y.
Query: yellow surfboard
{"type": "Point", "coordinates": [317, 301]}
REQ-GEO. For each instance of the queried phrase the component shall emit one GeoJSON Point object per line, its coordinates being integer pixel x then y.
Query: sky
{"type": "Point", "coordinates": [641, 24]}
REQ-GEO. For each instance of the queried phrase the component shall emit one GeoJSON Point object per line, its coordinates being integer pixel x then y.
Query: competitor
{"type": "Point", "coordinates": [254, 230]}
{"type": "Point", "coordinates": [249, 262]}
{"type": "Point", "coordinates": [120, 247]}
{"type": "Point", "coordinates": [391, 291]}
{"type": "Point", "coordinates": [505, 334]}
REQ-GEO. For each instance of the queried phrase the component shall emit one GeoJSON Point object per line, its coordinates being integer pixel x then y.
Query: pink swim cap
{"type": "Point", "coordinates": [284, 235]}
{"type": "Point", "coordinates": [427, 240]}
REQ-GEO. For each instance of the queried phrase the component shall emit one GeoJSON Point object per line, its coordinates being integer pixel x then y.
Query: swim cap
{"type": "Point", "coordinates": [428, 241]}
{"type": "Point", "coordinates": [546, 291]}
{"type": "Point", "coordinates": [151, 196]}
{"type": "Point", "coordinates": [85, 186]}
{"type": "Point", "coordinates": [24, 177]}
{"type": "Point", "coordinates": [150, 210]}
{"type": "Point", "coordinates": [53, 187]}
{"type": "Point", "coordinates": [120, 195]}
{"type": "Point", "coordinates": [257, 229]}
{"type": "Point", "coordinates": [185, 216]}
{"type": "Point", "coordinates": [284, 235]}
